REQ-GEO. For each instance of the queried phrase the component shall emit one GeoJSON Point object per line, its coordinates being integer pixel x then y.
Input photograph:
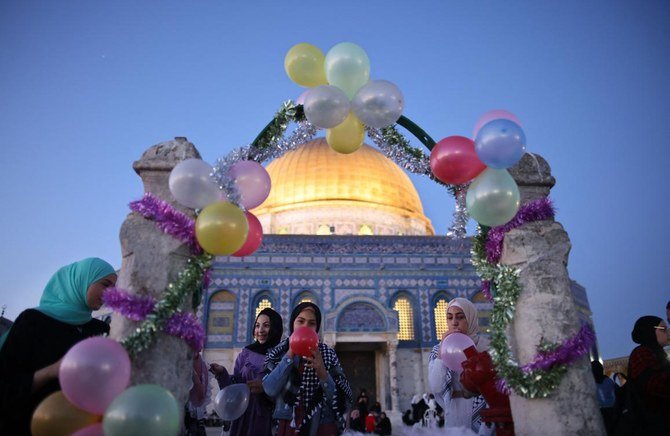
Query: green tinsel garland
{"type": "Point", "coordinates": [275, 129]}
{"type": "Point", "coordinates": [505, 288]}
{"type": "Point", "coordinates": [173, 297]}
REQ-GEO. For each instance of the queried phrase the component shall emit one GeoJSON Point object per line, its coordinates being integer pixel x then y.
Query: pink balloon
{"type": "Point", "coordinates": [252, 181]}
{"type": "Point", "coordinates": [451, 351]}
{"type": "Point", "coordinates": [254, 236]}
{"type": "Point", "coordinates": [495, 114]}
{"type": "Point", "coordinates": [91, 430]}
{"type": "Point", "coordinates": [301, 97]}
{"type": "Point", "coordinates": [454, 160]}
{"type": "Point", "coordinates": [93, 372]}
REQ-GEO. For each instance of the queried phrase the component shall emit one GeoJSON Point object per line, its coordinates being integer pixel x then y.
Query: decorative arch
{"type": "Point", "coordinates": [439, 309]}
{"type": "Point", "coordinates": [261, 301]}
{"type": "Point", "coordinates": [305, 295]}
{"type": "Point", "coordinates": [405, 306]}
{"type": "Point", "coordinates": [361, 316]}
{"type": "Point", "coordinates": [221, 318]}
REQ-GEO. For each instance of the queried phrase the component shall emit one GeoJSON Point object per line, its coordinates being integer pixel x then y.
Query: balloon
{"type": "Point", "coordinates": [303, 341]}
{"type": "Point", "coordinates": [451, 350]}
{"type": "Point", "coordinates": [143, 410]}
{"type": "Point", "coordinates": [500, 143]}
{"type": "Point", "coordinates": [348, 136]}
{"type": "Point", "coordinates": [304, 65]}
{"type": "Point", "coordinates": [453, 160]}
{"type": "Point", "coordinates": [301, 97]}
{"type": "Point", "coordinates": [493, 198]}
{"type": "Point", "coordinates": [496, 114]}
{"type": "Point", "coordinates": [191, 184]}
{"type": "Point", "coordinates": [347, 67]}
{"type": "Point", "coordinates": [326, 106]}
{"type": "Point", "coordinates": [93, 372]}
{"type": "Point", "coordinates": [91, 430]}
{"type": "Point", "coordinates": [231, 402]}
{"type": "Point", "coordinates": [221, 228]}
{"type": "Point", "coordinates": [378, 104]}
{"type": "Point", "coordinates": [252, 182]}
{"type": "Point", "coordinates": [55, 415]}
{"type": "Point", "coordinates": [254, 236]}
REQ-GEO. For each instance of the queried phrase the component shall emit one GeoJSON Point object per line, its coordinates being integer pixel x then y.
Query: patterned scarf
{"type": "Point", "coordinates": [305, 388]}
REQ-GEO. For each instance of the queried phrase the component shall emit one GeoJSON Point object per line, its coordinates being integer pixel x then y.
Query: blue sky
{"type": "Point", "coordinates": [87, 86]}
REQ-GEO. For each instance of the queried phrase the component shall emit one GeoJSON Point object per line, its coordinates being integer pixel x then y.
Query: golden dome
{"type": "Point", "coordinates": [311, 183]}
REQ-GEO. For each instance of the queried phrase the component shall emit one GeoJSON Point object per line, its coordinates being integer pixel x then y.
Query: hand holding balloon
{"type": "Point", "coordinates": [316, 361]}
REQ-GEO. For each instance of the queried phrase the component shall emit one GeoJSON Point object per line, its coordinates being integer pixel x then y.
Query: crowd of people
{"type": "Point", "coordinates": [304, 395]}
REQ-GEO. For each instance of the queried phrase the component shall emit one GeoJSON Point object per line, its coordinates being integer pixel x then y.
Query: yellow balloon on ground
{"type": "Point", "coordinates": [347, 136]}
{"type": "Point", "coordinates": [304, 65]}
{"type": "Point", "coordinates": [221, 228]}
{"type": "Point", "coordinates": [56, 416]}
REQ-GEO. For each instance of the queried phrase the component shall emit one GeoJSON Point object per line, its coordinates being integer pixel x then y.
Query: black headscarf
{"type": "Point", "coordinates": [274, 336]}
{"type": "Point", "coordinates": [644, 333]}
{"type": "Point", "coordinates": [302, 306]}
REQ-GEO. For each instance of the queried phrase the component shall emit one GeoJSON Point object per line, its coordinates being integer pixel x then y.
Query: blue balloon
{"type": "Point", "coordinates": [500, 143]}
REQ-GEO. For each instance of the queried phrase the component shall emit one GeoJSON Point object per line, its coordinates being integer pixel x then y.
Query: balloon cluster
{"type": "Point", "coordinates": [499, 142]}
{"type": "Point", "coordinates": [94, 375]}
{"type": "Point", "coordinates": [342, 98]}
{"type": "Point", "coordinates": [223, 227]}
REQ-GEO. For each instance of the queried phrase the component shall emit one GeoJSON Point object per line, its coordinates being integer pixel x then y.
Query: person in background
{"type": "Point", "coordinates": [32, 350]}
{"type": "Point", "coordinates": [370, 422]}
{"type": "Point", "coordinates": [198, 398]}
{"type": "Point", "coordinates": [649, 379]}
{"type": "Point", "coordinates": [249, 367]}
{"type": "Point", "coordinates": [606, 390]}
{"type": "Point", "coordinates": [461, 408]}
{"type": "Point", "coordinates": [362, 407]}
{"type": "Point", "coordinates": [384, 425]}
{"type": "Point", "coordinates": [377, 407]}
{"type": "Point", "coordinates": [312, 394]}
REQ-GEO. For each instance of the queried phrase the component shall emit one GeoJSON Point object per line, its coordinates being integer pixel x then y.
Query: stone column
{"type": "Point", "coordinates": [545, 309]}
{"type": "Point", "coordinates": [392, 347]}
{"type": "Point", "coordinates": [151, 260]}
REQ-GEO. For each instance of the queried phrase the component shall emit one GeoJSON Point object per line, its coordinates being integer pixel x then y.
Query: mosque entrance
{"type": "Point", "coordinates": [359, 364]}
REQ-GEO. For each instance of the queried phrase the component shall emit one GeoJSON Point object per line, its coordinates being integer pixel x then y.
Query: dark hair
{"type": "Point", "coordinates": [302, 306]}
{"type": "Point", "coordinates": [644, 334]}
{"type": "Point", "coordinates": [667, 306]}
{"type": "Point", "coordinates": [598, 371]}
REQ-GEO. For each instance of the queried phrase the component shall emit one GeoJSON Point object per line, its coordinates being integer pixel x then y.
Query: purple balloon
{"type": "Point", "coordinates": [497, 114]}
{"type": "Point", "coordinates": [451, 351]}
{"type": "Point", "coordinates": [252, 182]}
{"type": "Point", "coordinates": [93, 372]}
{"type": "Point", "coordinates": [91, 430]}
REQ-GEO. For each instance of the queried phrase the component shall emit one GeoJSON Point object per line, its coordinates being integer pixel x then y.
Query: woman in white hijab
{"type": "Point", "coordinates": [461, 408]}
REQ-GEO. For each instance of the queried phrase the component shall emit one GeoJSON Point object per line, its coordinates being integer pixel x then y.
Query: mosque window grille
{"type": "Point", "coordinates": [325, 229]}
{"type": "Point", "coordinates": [405, 319]}
{"type": "Point", "coordinates": [440, 314]}
{"type": "Point", "coordinates": [365, 230]}
{"type": "Point", "coordinates": [264, 303]}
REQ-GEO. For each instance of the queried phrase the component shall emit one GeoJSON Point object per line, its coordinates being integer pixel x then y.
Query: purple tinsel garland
{"type": "Point", "coordinates": [486, 290]}
{"type": "Point", "coordinates": [133, 307]}
{"type": "Point", "coordinates": [537, 210]}
{"type": "Point", "coordinates": [569, 351]}
{"type": "Point", "coordinates": [168, 219]}
{"type": "Point", "coordinates": [186, 326]}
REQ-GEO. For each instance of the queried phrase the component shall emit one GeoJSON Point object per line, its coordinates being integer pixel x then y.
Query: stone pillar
{"type": "Point", "coordinates": [151, 260]}
{"type": "Point", "coordinates": [545, 309]}
{"type": "Point", "coordinates": [392, 347]}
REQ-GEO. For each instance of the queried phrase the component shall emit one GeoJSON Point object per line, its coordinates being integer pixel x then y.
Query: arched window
{"type": "Point", "coordinates": [405, 319]}
{"type": "Point", "coordinates": [324, 230]}
{"type": "Point", "coordinates": [365, 230]}
{"type": "Point", "coordinates": [440, 314]}
{"type": "Point", "coordinates": [305, 297]}
{"type": "Point", "coordinates": [262, 304]}
{"type": "Point", "coordinates": [221, 320]}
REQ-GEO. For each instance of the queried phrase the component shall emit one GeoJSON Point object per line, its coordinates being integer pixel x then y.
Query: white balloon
{"type": "Point", "coordinates": [378, 104]}
{"type": "Point", "coordinates": [191, 184]}
{"type": "Point", "coordinates": [232, 401]}
{"type": "Point", "coordinates": [326, 106]}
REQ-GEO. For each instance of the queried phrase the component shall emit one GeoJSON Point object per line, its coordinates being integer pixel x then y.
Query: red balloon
{"type": "Point", "coordinates": [254, 236]}
{"type": "Point", "coordinates": [454, 160]}
{"type": "Point", "coordinates": [303, 341]}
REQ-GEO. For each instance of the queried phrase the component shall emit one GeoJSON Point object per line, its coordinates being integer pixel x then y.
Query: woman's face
{"type": "Point", "coordinates": [306, 318]}
{"type": "Point", "coordinates": [262, 328]}
{"type": "Point", "coordinates": [456, 320]}
{"type": "Point", "coordinates": [96, 289]}
{"type": "Point", "coordinates": [662, 334]}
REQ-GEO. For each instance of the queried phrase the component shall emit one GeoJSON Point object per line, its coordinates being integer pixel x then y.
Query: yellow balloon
{"type": "Point", "coordinates": [221, 228]}
{"type": "Point", "coordinates": [56, 416]}
{"type": "Point", "coordinates": [347, 136]}
{"type": "Point", "coordinates": [304, 65]}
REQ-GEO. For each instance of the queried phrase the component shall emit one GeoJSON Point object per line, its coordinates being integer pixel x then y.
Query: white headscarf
{"type": "Point", "coordinates": [470, 312]}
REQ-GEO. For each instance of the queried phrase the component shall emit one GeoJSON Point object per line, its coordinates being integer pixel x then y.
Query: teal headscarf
{"type": "Point", "coordinates": [64, 297]}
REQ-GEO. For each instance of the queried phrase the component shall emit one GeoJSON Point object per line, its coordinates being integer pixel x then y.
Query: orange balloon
{"type": "Point", "coordinates": [56, 416]}
{"type": "Point", "coordinates": [221, 228]}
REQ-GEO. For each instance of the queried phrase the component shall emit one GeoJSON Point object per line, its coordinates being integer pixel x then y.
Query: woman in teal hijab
{"type": "Point", "coordinates": [32, 350]}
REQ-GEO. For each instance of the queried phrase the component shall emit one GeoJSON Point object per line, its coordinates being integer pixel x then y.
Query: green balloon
{"type": "Point", "coordinates": [347, 67]}
{"type": "Point", "coordinates": [143, 410]}
{"type": "Point", "coordinates": [493, 197]}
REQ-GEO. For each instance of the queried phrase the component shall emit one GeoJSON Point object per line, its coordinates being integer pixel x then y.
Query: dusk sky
{"type": "Point", "coordinates": [86, 86]}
